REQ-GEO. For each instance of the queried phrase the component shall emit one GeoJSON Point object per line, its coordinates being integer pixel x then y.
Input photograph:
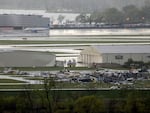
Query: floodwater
{"type": "Point", "coordinates": [90, 32]}
{"type": "Point", "coordinates": [72, 50]}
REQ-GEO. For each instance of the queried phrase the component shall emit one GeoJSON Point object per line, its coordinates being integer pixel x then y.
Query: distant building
{"type": "Point", "coordinates": [23, 25]}
{"type": "Point", "coordinates": [118, 54]}
{"type": "Point", "coordinates": [19, 58]}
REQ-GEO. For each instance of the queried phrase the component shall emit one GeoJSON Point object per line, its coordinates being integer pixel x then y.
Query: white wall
{"type": "Point", "coordinates": [110, 57]}
{"type": "Point", "coordinates": [90, 55]}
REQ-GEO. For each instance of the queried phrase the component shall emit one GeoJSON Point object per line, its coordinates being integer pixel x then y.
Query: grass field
{"type": "Point", "coordinates": [10, 81]}
{"type": "Point", "coordinates": [59, 85]}
{"type": "Point", "coordinates": [18, 42]}
{"type": "Point", "coordinates": [69, 85]}
{"type": "Point", "coordinates": [48, 68]}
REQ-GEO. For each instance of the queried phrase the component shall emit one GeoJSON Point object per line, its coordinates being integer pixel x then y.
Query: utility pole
{"type": "Point", "coordinates": [46, 10]}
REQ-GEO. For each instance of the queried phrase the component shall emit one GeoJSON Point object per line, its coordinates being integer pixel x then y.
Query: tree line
{"type": "Point", "coordinates": [128, 15]}
{"type": "Point", "coordinates": [36, 102]}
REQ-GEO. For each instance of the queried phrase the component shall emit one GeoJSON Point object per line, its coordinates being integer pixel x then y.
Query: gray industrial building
{"type": "Point", "coordinates": [17, 58]}
{"type": "Point", "coordinates": [118, 54]}
{"type": "Point", "coordinates": [15, 25]}
{"type": "Point", "coordinates": [23, 21]}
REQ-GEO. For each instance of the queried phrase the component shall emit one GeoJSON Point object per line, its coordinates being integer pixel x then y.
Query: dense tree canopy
{"type": "Point", "coordinates": [129, 15]}
{"type": "Point", "coordinates": [83, 18]}
{"type": "Point", "coordinates": [113, 15]}
{"type": "Point", "coordinates": [89, 104]}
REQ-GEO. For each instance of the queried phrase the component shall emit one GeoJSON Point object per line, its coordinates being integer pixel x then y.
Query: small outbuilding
{"type": "Point", "coordinates": [118, 54]}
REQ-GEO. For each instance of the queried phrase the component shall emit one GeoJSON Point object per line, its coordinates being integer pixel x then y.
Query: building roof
{"type": "Point", "coordinates": [123, 48]}
{"type": "Point", "coordinates": [25, 51]}
{"type": "Point", "coordinates": [12, 20]}
{"type": "Point", "coordinates": [23, 58]}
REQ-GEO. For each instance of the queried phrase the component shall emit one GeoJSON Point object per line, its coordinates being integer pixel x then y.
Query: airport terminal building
{"type": "Point", "coordinates": [118, 54]}
{"type": "Point", "coordinates": [23, 25]}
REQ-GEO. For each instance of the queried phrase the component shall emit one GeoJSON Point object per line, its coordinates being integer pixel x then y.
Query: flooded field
{"type": "Point", "coordinates": [133, 31]}
{"type": "Point", "coordinates": [67, 44]}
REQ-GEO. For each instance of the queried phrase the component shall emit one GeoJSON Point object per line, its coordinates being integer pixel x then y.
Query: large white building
{"type": "Point", "coordinates": [19, 58]}
{"type": "Point", "coordinates": [118, 54]}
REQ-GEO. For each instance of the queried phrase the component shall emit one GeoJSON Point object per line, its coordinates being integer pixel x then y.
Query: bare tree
{"type": "Point", "coordinates": [49, 83]}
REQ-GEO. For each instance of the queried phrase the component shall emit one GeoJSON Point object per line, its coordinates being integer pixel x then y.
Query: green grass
{"type": "Point", "coordinates": [141, 84]}
{"type": "Point", "coordinates": [60, 85]}
{"type": "Point", "coordinates": [82, 85]}
{"type": "Point", "coordinates": [6, 42]}
{"type": "Point", "coordinates": [20, 86]}
{"type": "Point", "coordinates": [48, 68]}
{"type": "Point", "coordinates": [9, 81]}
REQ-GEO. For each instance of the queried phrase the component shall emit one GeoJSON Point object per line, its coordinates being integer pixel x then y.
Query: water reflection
{"type": "Point", "coordinates": [100, 32]}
